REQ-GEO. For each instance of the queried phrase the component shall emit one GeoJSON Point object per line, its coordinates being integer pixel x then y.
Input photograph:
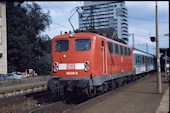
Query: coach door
{"type": "Point", "coordinates": [103, 57]}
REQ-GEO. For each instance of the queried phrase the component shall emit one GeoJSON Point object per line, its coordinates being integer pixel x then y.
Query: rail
{"type": "Point", "coordinates": [7, 91]}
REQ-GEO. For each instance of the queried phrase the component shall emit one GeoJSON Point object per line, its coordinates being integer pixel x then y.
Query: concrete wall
{"type": "Point", "coordinates": [3, 39]}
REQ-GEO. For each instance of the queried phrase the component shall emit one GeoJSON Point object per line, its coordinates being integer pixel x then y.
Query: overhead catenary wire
{"type": "Point", "coordinates": [60, 25]}
{"type": "Point", "coordinates": [59, 7]}
{"type": "Point", "coordinates": [145, 19]}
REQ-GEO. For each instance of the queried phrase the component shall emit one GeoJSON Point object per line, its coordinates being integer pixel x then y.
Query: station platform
{"type": "Point", "coordinates": [137, 97]}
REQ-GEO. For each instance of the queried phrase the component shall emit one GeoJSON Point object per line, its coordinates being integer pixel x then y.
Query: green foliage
{"type": "Point", "coordinates": [26, 45]}
{"type": "Point", "coordinates": [45, 65]}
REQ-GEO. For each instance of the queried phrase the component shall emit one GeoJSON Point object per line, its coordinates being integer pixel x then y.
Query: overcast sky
{"type": "Point", "coordinates": [141, 20]}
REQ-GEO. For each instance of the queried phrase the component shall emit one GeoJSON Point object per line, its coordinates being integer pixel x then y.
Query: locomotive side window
{"type": "Point", "coordinates": [117, 49]}
{"type": "Point", "coordinates": [61, 45]}
{"type": "Point", "coordinates": [110, 46]}
{"type": "Point", "coordinates": [126, 51]}
{"type": "Point", "coordinates": [114, 48]}
{"type": "Point", "coordinates": [82, 44]}
{"type": "Point", "coordinates": [121, 50]}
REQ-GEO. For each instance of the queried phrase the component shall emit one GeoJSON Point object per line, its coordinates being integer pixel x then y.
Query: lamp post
{"type": "Point", "coordinates": [159, 85]}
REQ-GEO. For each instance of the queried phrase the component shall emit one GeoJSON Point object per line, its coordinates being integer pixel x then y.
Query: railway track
{"type": "Point", "coordinates": [57, 107]}
{"type": "Point", "coordinates": [14, 90]}
{"type": "Point", "coordinates": [60, 106]}
{"type": "Point", "coordinates": [20, 103]}
{"type": "Point", "coordinates": [40, 102]}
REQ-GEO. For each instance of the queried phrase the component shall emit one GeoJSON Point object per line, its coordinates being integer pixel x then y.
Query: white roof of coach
{"type": "Point", "coordinates": [142, 53]}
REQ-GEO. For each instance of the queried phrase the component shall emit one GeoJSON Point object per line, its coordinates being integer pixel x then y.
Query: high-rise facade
{"type": "Point", "coordinates": [105, 14]}
{"type": "Point", "coordinates": [3, 39]}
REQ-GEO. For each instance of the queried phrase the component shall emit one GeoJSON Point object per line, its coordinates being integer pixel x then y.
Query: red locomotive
{"type": "Point", "coordinates": [87, 62]}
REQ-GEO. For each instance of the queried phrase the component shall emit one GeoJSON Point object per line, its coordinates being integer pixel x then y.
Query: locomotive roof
{"type": "Point", "coordinates": [91, 34]}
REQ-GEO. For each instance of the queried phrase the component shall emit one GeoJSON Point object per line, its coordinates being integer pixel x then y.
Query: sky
{"type": "Point", "coordinates": [141, 21]}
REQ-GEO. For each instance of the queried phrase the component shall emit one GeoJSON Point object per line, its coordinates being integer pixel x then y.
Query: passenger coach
{"type": "Point", "coordinates": [143, 62]}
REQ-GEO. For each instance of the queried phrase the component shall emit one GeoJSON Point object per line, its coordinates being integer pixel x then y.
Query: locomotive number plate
{"type": "Point", "coordinates": [71, 73]}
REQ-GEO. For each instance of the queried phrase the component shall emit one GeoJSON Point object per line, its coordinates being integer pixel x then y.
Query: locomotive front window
{"type": "Point", "coordinates": [82, 44]}
{"type": "Point", "coordinates": [61, 45]}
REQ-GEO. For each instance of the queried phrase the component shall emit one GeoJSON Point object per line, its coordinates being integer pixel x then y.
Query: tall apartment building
{"type": "Point", "coordinates": [3, 39]}
{"type": "Point", "coordinates": [105, 14]}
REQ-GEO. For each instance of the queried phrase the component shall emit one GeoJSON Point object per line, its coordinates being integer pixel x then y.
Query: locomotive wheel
{"type": "Point", "coordinates": [130, 79]}
{"type": "Point", "coordinates": [119, 82]}
{"type": "Point", "coordinates": [139, 77]}
{"type": "Point", "coordinates": [113, 85]}
{"type": "Point", "coordinates": [125, 81]}
{"type": "Point", "coordinates": [92, 92]}
{"type": "Point", "coordinates": [100, 90]}
{"type": "Point", "coordinates": [143, 74]}
{"type": "Point", "coordinates": [105, 86]}
{"type": "Point", "coordinates": [134, 77]}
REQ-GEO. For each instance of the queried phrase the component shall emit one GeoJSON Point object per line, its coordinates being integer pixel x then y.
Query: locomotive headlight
{"type": "Point", "coordinates": [55, 64]}
{"type": "Point", "coordinates": [86, 66]}
{"type": "Point", "coordinates": [86, 69]}
{"type": "Point", "coordinates": [71, 34]}
{"type": "Point", "coordinates": [86, 63]}
{"type": "Point", "coordinates": [55, 69]}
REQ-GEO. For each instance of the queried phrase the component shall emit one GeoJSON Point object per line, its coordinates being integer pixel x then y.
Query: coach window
{"type": "Point", "coordinates": [82, 44]}
{"type": "Point", "coordinates": [151, 60]}
{"type": "Point", "coordinates": [147, 59]}
{"type": "Point", "coordinates": [136, 59]}
{"type": "Point", "coordinates": [143, 59]}
{"type": "Point", "coordinates": [140, 59]}
{"type": "Point", "coordinates": [61, 45]}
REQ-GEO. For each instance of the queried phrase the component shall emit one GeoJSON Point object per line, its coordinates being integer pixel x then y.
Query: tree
{"type": "Point", "coordinates": [25, 22]}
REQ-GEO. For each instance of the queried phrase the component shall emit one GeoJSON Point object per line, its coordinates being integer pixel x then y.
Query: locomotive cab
{"type": "Point", "coordinates": [72, 62]}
